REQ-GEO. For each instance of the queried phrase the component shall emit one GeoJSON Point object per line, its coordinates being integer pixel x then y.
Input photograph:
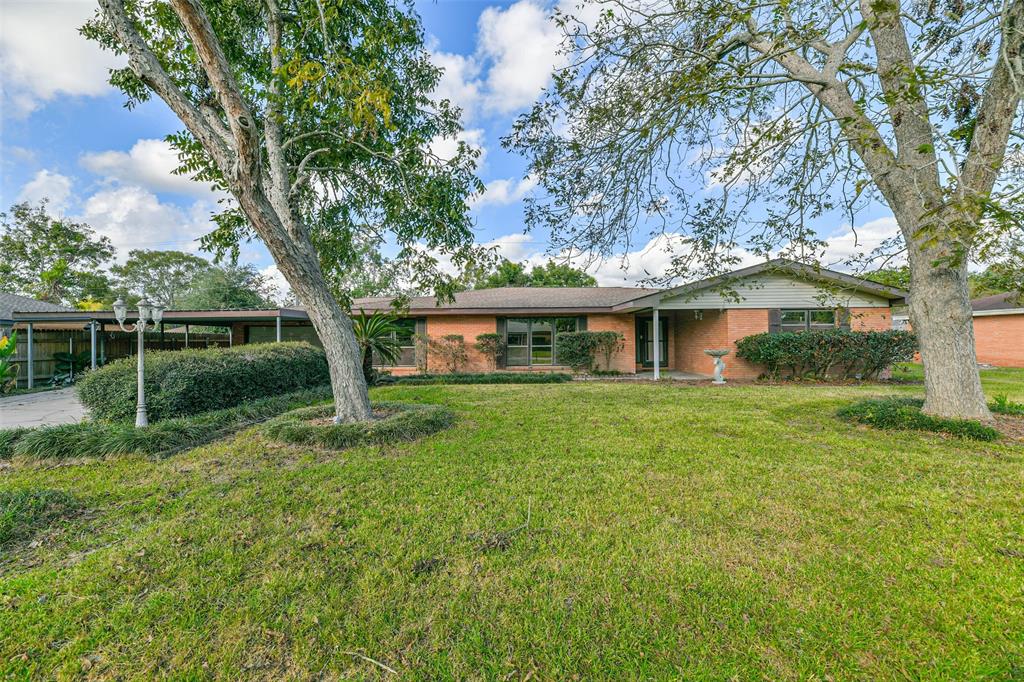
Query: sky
{"type": "Point", "coordinates": [65, 134]}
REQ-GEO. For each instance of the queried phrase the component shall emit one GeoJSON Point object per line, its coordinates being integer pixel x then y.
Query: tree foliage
{"type": "Point", "coordinates": [507, 273]}
{"type": "Point", "coordinates": [52, 259]}
{"type": "Point", "coordinates": [163, 277]}
{"type": "Point", "coordinates": [229, 287]}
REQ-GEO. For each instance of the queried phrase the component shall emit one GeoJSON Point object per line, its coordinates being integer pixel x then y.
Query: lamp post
{"type": "Point", "coordinates": [148, 313]}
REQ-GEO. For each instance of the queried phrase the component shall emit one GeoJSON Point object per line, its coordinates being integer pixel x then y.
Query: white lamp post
{"type": "Point", "coordinates": [147, 313]}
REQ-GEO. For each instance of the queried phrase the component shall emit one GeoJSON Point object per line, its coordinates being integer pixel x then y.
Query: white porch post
{"type": "Point", "coordinates": [657, 345]}
{"type": "Point", "coordinates": [31, 359]}
{"type": "Point", "coordinates": [186, 336]}
{"type": "Point", "coordinates": [92, 344]}
{"type": "Point", "coordinates": [278, 320]}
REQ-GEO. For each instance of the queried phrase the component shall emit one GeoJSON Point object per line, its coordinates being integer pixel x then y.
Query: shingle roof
{"type": "Point", "coordinates": [517, 298]}
{"type": "Point", "coordinates": [1010, 301]}
{"type": "Point", "coordinates": [23, 304]}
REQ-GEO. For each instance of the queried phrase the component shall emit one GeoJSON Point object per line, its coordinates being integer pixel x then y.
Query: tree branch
{"type": "Point", "coordinates": [998, 110]}
{"type": "Point", "coordinates": [144, 64]}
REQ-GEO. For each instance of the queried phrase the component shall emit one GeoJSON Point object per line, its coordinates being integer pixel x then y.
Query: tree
{"type": "Point", "coordinates": [52, 259]}
{"type": "Point", "coordinates": [893, 277]}
{"type": "Point", "coordinates": [491, 346]}
{"type": "Point", "coordinates": [782, 113]}
{"type": "Point", "coordinates": [505, 274]}
{"type": "Point", "coordinates": [1004, 272]}
{"type": "Point", "coordinates": [376, 336]}
{"type": "Point", "coordinates": [314, 116]}
{"type": "Point", "coordinates": [560, 275]}
{"type": "Point", "coordinates": [229, 287]}
{"type": "Point", "coordinates": [509, 274]}
{"type": "Point", "coordinates": [161, 276]}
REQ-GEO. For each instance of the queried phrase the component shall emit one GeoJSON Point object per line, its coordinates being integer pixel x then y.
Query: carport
{"type": "Point", "coordinates": [104, 321]}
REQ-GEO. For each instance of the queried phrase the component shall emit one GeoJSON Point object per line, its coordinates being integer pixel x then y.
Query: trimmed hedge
{"type": "Point", "coordinates": [905, 414]}
{"type": "Point", "coordinates": [403, 422]}
{"type": "Point", "coordinates": [579, 349]}
{"type": "Point", "coordinates": [186, 382]}
{"type": "Point", "coordinates": [100, 439]}
{"type": "Point", "coordinates": [820, 354]}
{"type": "Point", "coordinates": [482, 378]}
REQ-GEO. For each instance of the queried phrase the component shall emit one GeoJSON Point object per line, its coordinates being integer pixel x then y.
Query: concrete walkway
{"type": "Point", "coordinates": [41, 409]}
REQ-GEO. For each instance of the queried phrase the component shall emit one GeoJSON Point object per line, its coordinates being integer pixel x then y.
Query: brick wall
{"type": "Point", "coordinates": [870, 319]}
{"type": "Point", "coordinates": [743, 322]}
{"type": "Point", "coordinates": [999, 340]}
{"type": "Point", "coordinates": [625, 360]}
{"type": "Point", "coordinates": [693, 336]}
{"type": "Point", "coordinates": [467, 326]}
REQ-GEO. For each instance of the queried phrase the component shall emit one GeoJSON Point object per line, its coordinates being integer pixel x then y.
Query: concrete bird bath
{"type": "Point", "coordinates": [718, 354]}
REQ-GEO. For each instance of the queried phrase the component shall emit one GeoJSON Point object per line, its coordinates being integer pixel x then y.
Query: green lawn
{"type": "Point", "coordinates": [586, 531]}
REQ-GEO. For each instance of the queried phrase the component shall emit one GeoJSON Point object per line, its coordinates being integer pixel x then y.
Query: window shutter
{"type": "Point", "coordinates": [581, 323]}
{"type": "Point", "coordinates": [844, 319]}
{"type": "Point", "coordinates": [501, 332]}
{"type": "Point", "coordinates": [421, 325]}
{"type": "Point", "coordinates": [774, 321]}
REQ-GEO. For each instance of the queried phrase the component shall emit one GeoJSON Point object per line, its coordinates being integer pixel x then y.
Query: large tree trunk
{"type": "Point", "coordinates": [940, 314]}
{"type": "Point", "coordinates": [298, 262]}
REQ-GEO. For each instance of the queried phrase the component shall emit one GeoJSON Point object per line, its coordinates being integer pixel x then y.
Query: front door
{"type": "Point", "coordinates": [645, 341]}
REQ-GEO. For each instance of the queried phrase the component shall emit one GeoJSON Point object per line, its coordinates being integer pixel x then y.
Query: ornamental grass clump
{"type": "Point", "coordinates": [904, 414]}
{"type": "Point", "coordinates": [397, 422]}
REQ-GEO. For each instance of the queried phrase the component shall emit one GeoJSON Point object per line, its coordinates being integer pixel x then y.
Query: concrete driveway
{"type": "Point", "coordinates": [41, 409]}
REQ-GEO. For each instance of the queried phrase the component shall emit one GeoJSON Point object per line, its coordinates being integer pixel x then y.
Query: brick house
{"type": "Point", "coordinates": [663, 330]}
{"type": "Point", "coordinates": [999, 330]}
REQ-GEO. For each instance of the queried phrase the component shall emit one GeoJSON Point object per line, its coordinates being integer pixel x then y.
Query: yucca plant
{"type": "Point", "coordinates": [376, 336]}
{"type": "Point", "coordinates": [8, 370]}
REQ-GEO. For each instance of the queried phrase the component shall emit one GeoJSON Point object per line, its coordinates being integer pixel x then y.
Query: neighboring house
{"type": "Point", "coordinates": [681, 322]}
{"type": "Point", "coordinates": [999, 330]}
{"type": "Point", "coordinates": [11, 302]}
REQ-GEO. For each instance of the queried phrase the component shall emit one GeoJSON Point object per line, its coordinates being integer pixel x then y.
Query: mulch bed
{"type": "Point", "coordinates": [1011, 426]}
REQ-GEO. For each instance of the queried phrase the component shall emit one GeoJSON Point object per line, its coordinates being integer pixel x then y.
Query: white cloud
{"type": "Point", "coordinates": [150, 164]}
{"type": "Point", "coordinates": [42, 54]}
{"type": "Point", "coordinates": [446, 147]}
{"type": "Point", "coordinates": [460, 81]}
{"type": "Point", "coordinates": [849, 242]}
{"type": "Point", "coordinates": [505, 191]}
{"type": "Point", "coordinates": [134, 218]}
{"type": "Point", "coordinates": [48, 185]}
{"type": "Point", "coordinates": [517, 50]}
{"type": "Point", "coordinates": [521, 45]}
{"type": "Point", "coordinates": [282, 290]}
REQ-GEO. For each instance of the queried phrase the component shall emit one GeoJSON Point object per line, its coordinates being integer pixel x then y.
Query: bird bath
{"type": "Point", "coordinates": [718, 354]}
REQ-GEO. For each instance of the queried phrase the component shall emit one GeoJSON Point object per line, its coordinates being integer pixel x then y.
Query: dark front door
{"type": "Point", "coordinates": [645, 341]}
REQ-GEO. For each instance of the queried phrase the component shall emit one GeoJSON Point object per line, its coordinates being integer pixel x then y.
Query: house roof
{"type": "Point", "coordinates": [515, 299]}
{"type": "Point", "coordinates": [1011, 303]}
{"type": "Point", "coordinates": [777, 266]}
{"type": "Point", "coordinates": [9, 303]}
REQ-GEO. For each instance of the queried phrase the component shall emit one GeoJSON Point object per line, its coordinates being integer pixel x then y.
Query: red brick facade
{"type": "Point", "coordinates": [999, 339]}
{"type": "Point", "coordinates": [625, 360]}
{"type": "Point", "coordinates": [692, 332]}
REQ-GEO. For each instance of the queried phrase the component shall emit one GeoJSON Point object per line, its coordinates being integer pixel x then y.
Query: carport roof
{"type": "Point", "coordinates": [201, 317]}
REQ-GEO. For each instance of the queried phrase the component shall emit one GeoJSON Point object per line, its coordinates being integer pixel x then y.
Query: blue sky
{"type": "Point", "coordinates": [66, 135]}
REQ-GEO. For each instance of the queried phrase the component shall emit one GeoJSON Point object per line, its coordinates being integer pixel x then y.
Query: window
{"type": "Point", "coordinates": [532, 341]}
{"type": "Point", "coordinates": [802, 320]}
{"type": "Point", "coordinates": [404, 337]}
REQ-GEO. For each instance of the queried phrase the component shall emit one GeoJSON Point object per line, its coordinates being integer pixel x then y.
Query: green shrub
{"type": "Point", "coordinates": [905, 414]}
{"type": "Point", "coordinates": [101, 439]}
{"type": "Point", "coordinates": [402, 422]}
{"type": "Point", "coordinates": [827, 353]}
{"type": "Point", "coordinates": [491, 346]}
{"type": "Point", "coordinates": [485, 378]}
{"type": "Point", "coordinates": [1001, 404]}
{"type": "Point", "coordinates": [576, 349]}
{"type": "Point", "coordinates": [24, 512]}
{"type": "Point", "coordinates": [451, 350]}
{"type": "Point", "coordinates": [186, 382]}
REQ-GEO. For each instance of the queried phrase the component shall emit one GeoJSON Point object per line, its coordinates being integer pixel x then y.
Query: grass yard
{"type": "Point", "coordinates": [585, 530]}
